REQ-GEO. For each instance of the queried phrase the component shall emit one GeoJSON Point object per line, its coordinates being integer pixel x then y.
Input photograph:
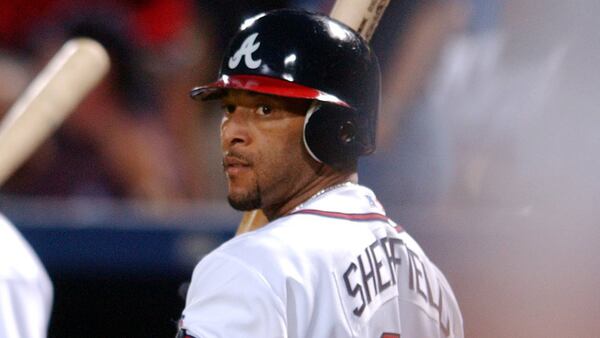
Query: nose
{"type": "Point", "coordinates": [235, 129]}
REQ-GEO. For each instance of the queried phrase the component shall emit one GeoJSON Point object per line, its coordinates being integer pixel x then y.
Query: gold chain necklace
{"type": "Point", "coordinates": [321, 192]}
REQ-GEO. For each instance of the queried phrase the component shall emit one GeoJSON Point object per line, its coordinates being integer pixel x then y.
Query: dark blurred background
{"type": "Point", "coordinates": [487, 154]}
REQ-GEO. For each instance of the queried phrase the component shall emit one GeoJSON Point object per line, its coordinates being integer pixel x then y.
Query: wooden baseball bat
{"type": "Point", "coordinates": [362, 16]}
{"type": "Point", "coordinates": [68, 77]}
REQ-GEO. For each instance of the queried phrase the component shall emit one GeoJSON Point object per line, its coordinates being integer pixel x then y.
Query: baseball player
{"type": "Point", "coordinates": [25, 289]}
{"type": "Point", "coordinates": [300, 94]}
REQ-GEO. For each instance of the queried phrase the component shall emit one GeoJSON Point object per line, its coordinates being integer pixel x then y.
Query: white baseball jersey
{"type": "Point", "coordinates": [334, 267]}
{"type": "Point", "coordinates": [25, 289]}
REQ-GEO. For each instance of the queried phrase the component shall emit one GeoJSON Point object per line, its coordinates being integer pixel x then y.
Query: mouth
{"type": "Point", "coordinates": [234, 165]}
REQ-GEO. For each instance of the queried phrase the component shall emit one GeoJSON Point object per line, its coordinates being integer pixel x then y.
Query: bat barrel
{"type": "Point", "coordinates": [361, 15]}
{"type": "Point", "coordinates": [69, 76]}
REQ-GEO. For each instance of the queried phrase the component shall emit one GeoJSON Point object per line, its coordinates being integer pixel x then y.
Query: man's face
{"type": "Point", "coordinates": [263, 153]}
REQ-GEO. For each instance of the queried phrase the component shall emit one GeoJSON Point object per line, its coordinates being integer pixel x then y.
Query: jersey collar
{"type": "Point", "coordinates": [348, 198]}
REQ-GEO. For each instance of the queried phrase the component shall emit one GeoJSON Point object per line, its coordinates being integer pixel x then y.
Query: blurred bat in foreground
{"type": "Point", "coordinates": [69, 76]}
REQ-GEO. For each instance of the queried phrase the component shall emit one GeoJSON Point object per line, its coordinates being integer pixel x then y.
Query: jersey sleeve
{"type": "Point", "coordinates": [23, 309]}
{"type": "Point", "coordinates": [227, 298]}
{"type": "Point", "coordinates": [25, 289]}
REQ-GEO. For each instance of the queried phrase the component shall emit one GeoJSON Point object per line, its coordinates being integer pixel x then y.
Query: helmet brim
{"type": "Point", "coordinates": [264, 85]}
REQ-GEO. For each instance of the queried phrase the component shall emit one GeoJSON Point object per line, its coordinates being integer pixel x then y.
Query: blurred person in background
{"type": "Point", "coordinates": [512, 107]}
{"type": "Point", "coordinates": [15, 73]}
{"type": "Point", "coordinates": [114, 144]}
{"type": "Point", "coordinates": [177, 40]}
{"type": "Point", "coordinates": [25, 288]}
{"type": "Point", "coordinates": [489, 97]}
{"type": "Point", "coordinates": [407, 167]}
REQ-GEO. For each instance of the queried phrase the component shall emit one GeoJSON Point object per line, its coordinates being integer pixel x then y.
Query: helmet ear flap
{"type": "Point", "coordinates": [331, 134]}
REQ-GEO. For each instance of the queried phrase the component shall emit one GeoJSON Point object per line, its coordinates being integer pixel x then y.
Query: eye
{"type": "Point", "coordinates": [228, 108]}
{"type": "Point", "coordinates": [264, 109]}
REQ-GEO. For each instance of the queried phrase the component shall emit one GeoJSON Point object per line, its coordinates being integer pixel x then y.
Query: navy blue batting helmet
{"type": "Point", "coordinates": [294, 53]}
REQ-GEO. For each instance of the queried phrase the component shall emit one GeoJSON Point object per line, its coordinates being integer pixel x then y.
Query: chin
{"type": "Point", "coordinates": [244, 204]}
{"type": "Point", "coordinates": [244, 193]}
{"type": "Point", "coordinates": [244, 200]}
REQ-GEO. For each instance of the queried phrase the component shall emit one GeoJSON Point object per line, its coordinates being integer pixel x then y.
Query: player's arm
{"type": "Point", "coordinates": [229, 299]}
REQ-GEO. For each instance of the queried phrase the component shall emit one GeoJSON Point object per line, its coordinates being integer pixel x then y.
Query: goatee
{"type": "Point", "coordinates": [249, 201]}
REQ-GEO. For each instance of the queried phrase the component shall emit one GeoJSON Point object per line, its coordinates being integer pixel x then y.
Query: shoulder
{"type": "Point", "coordinates": [253, 257]}
{"type": "Point", "coordinates": [256, 276]}
{"type": "Point", "coordinates": [291, 247]}
{"type": "Point", "coordinates": [231, 296]}
{"type": "Point", "coordinates": [262, 252]}
{"type": "Point", "coordinates": [282, 237]}
{"type": "Point", "coordinates": [292, 239]}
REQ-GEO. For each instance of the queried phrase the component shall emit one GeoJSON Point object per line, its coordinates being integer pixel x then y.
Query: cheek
{"type": "Point", "coordinates": [289, 154]}
{"type": "Point", "coordinates": [221, 126]}
{"type": "Point", "coordinates": [282, 151]}
{"type": "Point", "coordinates": [279, 146]}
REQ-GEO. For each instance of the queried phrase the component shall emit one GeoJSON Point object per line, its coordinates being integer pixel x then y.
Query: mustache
{"type": "Point", "coordinates": [233, 156]}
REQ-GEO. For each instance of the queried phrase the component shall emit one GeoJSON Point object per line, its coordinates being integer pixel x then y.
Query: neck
{"type": "Point", "coordinates": [324, 180]}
